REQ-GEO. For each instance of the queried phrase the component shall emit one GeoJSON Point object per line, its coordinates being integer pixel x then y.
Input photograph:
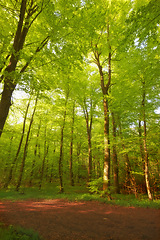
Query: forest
{"type": "Point", "coordinates": [80, 95]}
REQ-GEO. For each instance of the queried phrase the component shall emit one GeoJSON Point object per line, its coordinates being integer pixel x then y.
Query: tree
{"type": "Point", "coordinates": [89, 135]}
{"type": "Point", "coordinates": [61, 143]}
{"type": "Point", "coordinates": [71, 147]}
{"type": "Point", "coordinates": [115, 158]}
{"type": "Point", "coordinates": [27, 14]}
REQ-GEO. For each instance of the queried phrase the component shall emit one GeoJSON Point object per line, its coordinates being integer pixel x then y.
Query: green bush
{"type": "Point", "coordinates": [17, 233]}
{"type": "Point", "coordinates": [96, 186]}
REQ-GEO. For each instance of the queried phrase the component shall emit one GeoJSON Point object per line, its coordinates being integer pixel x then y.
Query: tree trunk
{"type": "Point", "coordinates": [51, 175]}
{"type": "Point", "coordinates": [145, 145]}
{"type": "Point", "coordinates": [5, 104]}
{"type": "Point", "coordinates": [142, 152]}
{"type": "Point", "coordinates": [35, 156]}
{"type": "Point", "coordinates": [7, 164]}
{"type": "Point", "coordinates": [105, 92]}
{"type": "Point", "coordinates": [9, 84]}
{"type": "Point", "coordinates": [115, 161]}
{"type": "Point", "coordinates": [89, 135]}
{"type": "Point", "coordinates": [61, 148]}
{"type": "Point", "coordinates": [78, 162]}
{"type": "Point", "coordinates": [19, 148]}
{"type": "Point", "coordinates": [46, 147]}
{"type": "Point", "coordinates": [130, 179]}
{"type": "Point", "coordinates": [106, 171]}
{"type": "Point", "coordinates": [26, 148]}
{"type": "Point", "coordinates": [71, 149]}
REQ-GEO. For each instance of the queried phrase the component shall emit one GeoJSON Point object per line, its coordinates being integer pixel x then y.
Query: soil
{"type": "Point", "coordinates": [60, 219]}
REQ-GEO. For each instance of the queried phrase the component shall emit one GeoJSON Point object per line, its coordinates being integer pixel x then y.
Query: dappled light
{"type": "Point", "coordinates": [53, 219]}
{"type": "Point", "coordinates": [79, 118]}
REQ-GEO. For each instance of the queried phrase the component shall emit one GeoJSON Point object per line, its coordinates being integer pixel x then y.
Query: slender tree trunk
{"type": "Point", "coordinates": [35, 156]}
{"type": "Point", "coordinates": [19, 148]}
{"type": "Point", "coordinates": [61, 156]}
{"type": "Point", "coordinates": [142, 152]}
{"type": "Point", "coordinates": [147, 166]}
{"type": "Point", "coordinates": [115, 161]}
{"type": "Point", "coordinates": [26, 148]}
{"type": "Point", "coordinates": [71, 149]}
{"type": "Point", "coordinates": [78, 163]}
{"type": "Point", "coordinates": [61, 148]}
{"type": "Point", "coordinates": [105, 92]}
{"type": "Point", "coordinates": [106, 171]}
{"type": "Point", "coordinates": [46, 147]}
{"type": "Point", "coordinates": [9, 155]}
{"type": "Point", "coordinates": [51, 176]}
{"type": "Point", "coordinates": [145, 145]}
{"type": "Point", "coordinates": [130, 179]}
{"type": "Point", "coordinates": [89, 135]}
{"type": "Point", "coordinates": [98, 169]}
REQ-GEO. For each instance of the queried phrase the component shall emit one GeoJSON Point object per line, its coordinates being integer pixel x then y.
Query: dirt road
{"type": "Point", "coordinates": [63, 220]}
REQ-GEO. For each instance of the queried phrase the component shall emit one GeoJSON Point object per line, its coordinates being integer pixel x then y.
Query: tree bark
{"type": "Point", "coordinates": [46, 147]}
{"type": "Point", "coordinates": [35, 156]}
{"type": "Point", "coordinates": [106, 171]}
{"type": "Point", "coordinates": [130, 179]}
{"type": "Point", "coordinates": [61, 148]}
{"type": "Point", "coordinates": [145, 144]}
{"type": "Point", "coordinates": [115, 160]}
{"type": "Point", "coordinates": [51, 175]}
{"type": "Point", "coordinates": [89, 135]}
{"type": "Point", "coordinates": [105, 92]}
{"type": "Point", "coordinates": [71, 149]}
{"type": "Point", "coordinates": [78, 160]}
{"type": "Point", "coordinates": [142, 152]}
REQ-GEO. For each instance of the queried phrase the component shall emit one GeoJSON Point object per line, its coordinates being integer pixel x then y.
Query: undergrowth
{"type": "Point", "coordinates": [17, 233]}
{"type": "Point", "coordinates": [77, 193]}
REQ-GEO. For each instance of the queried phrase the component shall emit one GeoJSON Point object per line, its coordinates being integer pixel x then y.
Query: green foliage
{"type": "Point", "coordinates": [77, 193]}
{"type": "Point", "coordinates": [96, 186]}
{"type": "Point", "coordinates": [17, 233]}
{"type": "Point", "coordinates": [65, 63]}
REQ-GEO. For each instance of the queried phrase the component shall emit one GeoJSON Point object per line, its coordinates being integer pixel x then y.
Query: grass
{"type": "Point", "coordinates": [77, 193]}
{"type": "Point", "coordinates": [17, 233]}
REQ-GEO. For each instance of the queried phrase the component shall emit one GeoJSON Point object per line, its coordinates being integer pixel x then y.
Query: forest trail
{"type": "Point", "coordinates": [59, 219]}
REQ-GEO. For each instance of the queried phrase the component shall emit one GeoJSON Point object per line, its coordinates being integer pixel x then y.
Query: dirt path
{"type": "Point", "coordinates": [60, 219]}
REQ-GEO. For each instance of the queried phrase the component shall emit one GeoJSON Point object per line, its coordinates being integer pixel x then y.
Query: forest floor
{"type": "Point", "coordinates": [60, 219]}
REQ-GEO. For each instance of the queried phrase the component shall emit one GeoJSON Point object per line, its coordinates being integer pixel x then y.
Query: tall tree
{"type": "Point", "coordinates": [61, 143]}
{"type": "Point", "coordinates": [46, 147]}
{"type": "Point", "coordinates": [145, 142]}
{"type": "Point", "coordinates": [105, 92]}
{"type": "Point", "coordinates": [35, 155]}
{"type": "Point", "coordinates": [89, 135]}
{"type": "Point", "coordinates": [27, 14]}
{"type": "Point", "coordinates": [71, 147]}
{"type": "Point", "coordinates": [115, 158]}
